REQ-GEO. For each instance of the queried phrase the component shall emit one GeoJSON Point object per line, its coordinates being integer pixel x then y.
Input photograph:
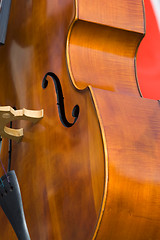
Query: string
{"type": "Point", "coordinates": [4, 170]}
{"type": "Point", "coordinates": [2, 163]}
{"type": "Point", "coordinates": [2, 184]}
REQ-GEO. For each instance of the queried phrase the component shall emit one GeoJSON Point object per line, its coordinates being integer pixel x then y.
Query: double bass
{"type": "Point", "coordinates": [97, 177]}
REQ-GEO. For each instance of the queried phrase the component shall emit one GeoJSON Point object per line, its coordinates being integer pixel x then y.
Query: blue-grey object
{"type": "Point", "coordinates": [4, 16]}
{"type": "Point", "coordinates": [11, 203]}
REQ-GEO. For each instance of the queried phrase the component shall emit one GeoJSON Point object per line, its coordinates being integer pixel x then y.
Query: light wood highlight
{"type": "Point", "coordinates": [8, 114]}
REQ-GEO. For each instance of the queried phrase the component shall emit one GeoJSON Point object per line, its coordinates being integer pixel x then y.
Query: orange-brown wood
{"type": "Point", "coordinates": [125, 14]}
{"type": "Point", "coordinates": [57, 168]}
{"type": "Point", "coordinates": [102, 48]}
{"type": "Point", "coordinates": [113, 49]}
{"type": "Point", "coordinates": [100, 178]}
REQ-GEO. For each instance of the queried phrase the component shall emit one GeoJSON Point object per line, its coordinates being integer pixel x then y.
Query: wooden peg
{"type": "Point", "coordinates": [8, 114]}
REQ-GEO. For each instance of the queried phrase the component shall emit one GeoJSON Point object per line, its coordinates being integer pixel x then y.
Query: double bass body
{"type": "Point", "coordinates": [100, 178]}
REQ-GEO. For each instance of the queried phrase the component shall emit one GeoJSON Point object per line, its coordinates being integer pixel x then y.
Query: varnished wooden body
{"type": "Point", "coordinates": [100, 178]}
{"type": "Point", "coordinates": [106, 44]}
{"type": "Point", "coordinates": [54, 165]}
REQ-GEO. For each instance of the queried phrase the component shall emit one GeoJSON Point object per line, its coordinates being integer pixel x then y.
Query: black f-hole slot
{"type": "Point", "coordinates": [60, 102]}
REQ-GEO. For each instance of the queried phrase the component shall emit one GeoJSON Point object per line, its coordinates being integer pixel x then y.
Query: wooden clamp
{"type": "Point", "coordinates": [8, 114]}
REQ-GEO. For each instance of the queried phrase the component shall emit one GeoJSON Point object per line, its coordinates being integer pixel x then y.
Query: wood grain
{"type": "Point", "coordinates": [123, 14]}
{"type": "Point", "coordinates": [132, 132]}
{"type": "Point", "coordinates": [100, 178]}
{"type": "Point", "coordinates": [102, 47]}
{"type": "Point", "coordinates": [58, 168]}
{"type": "Point", "coordinates": [112, 49]}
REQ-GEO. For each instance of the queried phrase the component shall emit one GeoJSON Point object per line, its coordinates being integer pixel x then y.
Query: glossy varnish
{"type": "Point", "coordinates": [106, 44]}
{"type": "Point", "coordinates": [100, 178]}
{"type": "Point", "coordinates": [57, 168]}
